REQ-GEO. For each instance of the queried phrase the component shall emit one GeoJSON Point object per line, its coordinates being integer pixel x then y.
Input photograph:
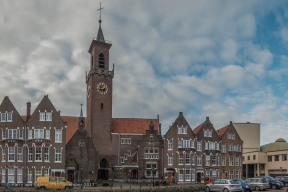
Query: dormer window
{"type": "Point", "coordinates": [9, 117]}
{"type": "Point", "coordinates": [101, 60]}
{"type": "Point", "coordinates": [3, 117]}
{"type": "Point", "coordinates": [48, 116]}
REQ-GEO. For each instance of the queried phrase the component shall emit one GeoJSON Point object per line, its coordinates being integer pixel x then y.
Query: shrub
{"type": "Point", "coordinates": [105, 183]}
{"type": "Point", "coordinates": [164, 183]}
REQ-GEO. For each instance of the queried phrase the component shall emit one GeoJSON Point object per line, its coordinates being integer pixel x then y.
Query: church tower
{"type": "Point", "coordinates": [99, 93]}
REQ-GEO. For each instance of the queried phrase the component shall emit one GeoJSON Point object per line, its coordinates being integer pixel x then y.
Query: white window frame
{"type": "Point", "coordinates": [187, 159]}
{"type": "Point", "coordinates": [205, 133]}
{"type": "Point", "coordinates": [179, 130]}
{"type": "Point", "coordinates": [30, 133]}
{"type": "Point", "coordinates": [184, 130]}
{"type": "Point", "coordinates": [30, 154]}
{"type": "Point", "coordinates": [186, 143]}
{"type": "Point", "coordinates": [9, 116]}
{"type": "Point", "coordinates": [213, 160]}
{"type": "Point", "coordinates": [38, 133]}
{"type": "Point", "coordinates": [11, 154]}
{"type": "Point", "coordinates": [223, 161]}
{"type": "Point", "coordinates": [181, 175]}
{"type": "Point", "coordinates": [38, 154]}
{"type": "Point", "coordinates": [29, 178]}
{"type": "Point", "coordinates": [4, 136]}
{"type": "Point", "coordinates": [11, 175]}
{"type": "Point", "coordinates": [231, 174]}
{"type": "Point", "coordinates": [187, 175]}
{"type": "Point", "coordinates": [48, 116]}
{"type": "Point", "coordinates": [231, 161]}
{"type": "Point", "coordinates": [207, 162]}
{"type": "Point", "coordinates": [47, 133]}
{"type": "Point", "coordinates": [170, 144]}
{"type": "Point", "coordinates": [3, 154]}
{"type": "Point", "coordinates": [58, 135]}
{"type": "Point", "coordinates": [3, 117]}
{"type": "Point", "coordinates": [236, 161]}
{"type": "Point", "coordinates": [180, 162]}
{"type": "Point", "coordinates": [46, 155]}
{"type": "Point", "coordinates": [20, 154]}
{"type": "Point", "coordinates": [19, 175]}
{"type": "Point", "coordinates": [42, 116]}
{"type": "Point", "coordinates": [179, 143]}
{"type": "Point", "coordinates": [58, 158]}
{"type": "Point", "coordinates": [21, 133]}
{"type": "Point", "coordinates": [38, 173]}
{"type": "Point", "coordinates": [170, 159]}
{"type": "Point", "coordinates": [12, 133]}
{"type": "Point", "coordinates": [199, 146]}
{"type": "Point", "coordinates": [3, 175]}
{"type": "Point", "coordinates": [236, 174]}
{"type": "Point", "coordinates": [199, 161]}
{"type": "Point", "coordinates": [209, 133]}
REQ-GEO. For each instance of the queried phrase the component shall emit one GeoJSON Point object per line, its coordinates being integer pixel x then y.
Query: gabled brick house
{"type": "Point", "coordinates": [179, 152]}
{"type": "Point", "coordinates": [231, 152]}
{"type": "Point", "coordinates": [207, 151]}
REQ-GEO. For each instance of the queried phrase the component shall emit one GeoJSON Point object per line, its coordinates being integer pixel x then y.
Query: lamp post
{"type": "Point", "coordinates": [81, 145]}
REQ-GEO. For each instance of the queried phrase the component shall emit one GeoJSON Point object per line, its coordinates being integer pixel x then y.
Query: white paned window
{"type": "Point", "coordinates": [12, 133]}
{"type": "Point", "coordinates": [11, 175]}
{"type": "Point", "coordinates": [46, 154]}
{"type": "Point", "coordinates": [231, 175]}
{"type": "Point", "coordinates": [186, 143]}
{"type": "Point", "coordinates": [46, 172]}
{"type": "Point", "coordinates": [193, 175]}
{"type": "Point", "coordinates": [4, 134]}
{"type": "Point", "coordinates": [9, 117]}
{"type": "Point", "coordinates": [217, 146]}
{"type": "Point", "coordinates": [38, 154]}
{"type": "Point", "coordinates": [29, 180]}
{"type": "Point", "coordinates": [179, 130]}
{"type": "Point", "coordinates": [206, 145]}
{"type": "Point", "coordinates": [47, 134]}
{"type": "Point", "coordinates": [3, 154]}
{"type": "Point", "coordinates": [42, 116]}
{"type": "Point", "coordinates": [207, 160]}
{"type": "Point", "coordinates": [58, 135]}
{"type": "Point", "coordinates": [223, 148]}
{"type": "Point", "coordinates": [170, 159]}
{"type": "Point", "coordinates": [210, 133]}
{"type": "Point", "coordinates": [180, 175]}
{"type": "Point", "coordinates": [20, 133]}
{"type": "Point", "coordinates": [214, 172]}
{"type": "Point", "coordinates": [38, 173]}
{"type": "Point", "coordinates": [19, 176]}
{"type": "Point", "coordinates": [48, 116]}
{"type": "Point", "coordinates": [231, 161]}
{"type": "Point", "coordinates": [30, 153]}
{"type": "Point", "coordinates": [230, 146]}
{"type": "Point", "coordinates": [3, 175]}
{"type": "Point", "coordinates": [29, 133]}
{"type": "Point", "coordinates": [207, 172]}
{"type": "Point", "coordinates": [192, 143]}
{"type": "Point", "coordinates": [179, 143]}
{"type": "Point", "coordinates": [181, 159]}
{"type": "Point", "coordinates": [229, 135]}
{"type": "Point", "coordinates": [58, 155]}
{"type": "Point", "coordinates": [236, 161]}
{"type": "Point", "coordinates": [170, 144]}
{"type": "Point", "coordinates": [187, 159]}
{"type": "Point", "coordinates": [205, 133]}
{"type": "Point", "coordinates": [237, 174]}
{"type": "Point", "coordinates": [199, 161]}
{"type": "Point", "coordinates": [3, 117]}
{"type": "Point", "coordinates": [151, 154]}
{"type": "Point", "coordinates": [11, 154]}
{"type": "Point", "coordinates": [233, 136]}
{"type": "Point", "coordinates": [184, 130]}
{"type": "Point", "coordinates": [192, 160]}
{"type": "Point", "coordinates": [223, 161]}
{"type": "Point", "coordinates": [187, 175]}
{"type": "Point", "coordinates": [199, 148]}
{"type": "Point", "coordinates": [20, 154]}
{"type": "Point", "coordinates": [39, 133]}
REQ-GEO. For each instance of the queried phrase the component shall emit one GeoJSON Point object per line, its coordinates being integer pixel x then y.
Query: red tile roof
{"type": "Point", "coordinates": [72, 126]}
{"type": "Point", "coordinates": [222, 130]}
{"type": "Point", "coordinates": [197, 129]}
{"type": "Point", "coordinates": [132, 125]}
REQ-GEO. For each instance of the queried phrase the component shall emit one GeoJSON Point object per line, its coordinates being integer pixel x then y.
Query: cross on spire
{"type": "Point", "coordinates": [100, 12]}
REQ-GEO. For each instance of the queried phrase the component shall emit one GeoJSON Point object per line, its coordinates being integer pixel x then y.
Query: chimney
{"type": "Point", "coordinates": [207, 118]}
{"type": "Point", "coordinates": [180, 113]}
{"type": "Point", "coordinates": [59, 112]}
{"type": "Point", "coordinates": [28, 114]}
{"type": "Point", "coordinates": [230, 122]}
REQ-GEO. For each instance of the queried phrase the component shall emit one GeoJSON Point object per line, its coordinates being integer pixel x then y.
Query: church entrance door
{"type": "Point", "coordinates": [71, 175]}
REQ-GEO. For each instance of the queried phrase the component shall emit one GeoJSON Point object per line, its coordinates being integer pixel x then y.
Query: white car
{"type": "Point", "coordinates": [225, 185]}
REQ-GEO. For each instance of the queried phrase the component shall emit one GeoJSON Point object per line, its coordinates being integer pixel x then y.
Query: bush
{"type": "Point", "coordinates": [105, 183]}
{"type": "Point", "coordinates": [164, 183]}
{"type": "Point", "coordinates": [157, 183]}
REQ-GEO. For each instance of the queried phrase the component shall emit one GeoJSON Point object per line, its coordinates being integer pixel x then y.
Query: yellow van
{"type": "Point", "coordinates": [53, 183]}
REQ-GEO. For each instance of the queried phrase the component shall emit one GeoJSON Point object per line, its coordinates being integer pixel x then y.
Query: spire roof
{"type": "Point", "coordinates": [81, 113]}
{"type": "Point", "coordinates": [100, 36]}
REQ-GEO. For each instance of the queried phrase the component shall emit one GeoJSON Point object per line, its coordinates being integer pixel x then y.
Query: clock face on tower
{"type": "Point", "coordinates": [102, 88]}
{"type": "Point", "coordinates": [88, 91]}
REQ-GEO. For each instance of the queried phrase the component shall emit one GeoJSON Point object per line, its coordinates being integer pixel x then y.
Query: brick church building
{"type": "Point", "coordinates": [100, 147]}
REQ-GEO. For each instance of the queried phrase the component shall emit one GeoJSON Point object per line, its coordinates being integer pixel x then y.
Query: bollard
{"type": "Point", "coordinates": [120, 186]}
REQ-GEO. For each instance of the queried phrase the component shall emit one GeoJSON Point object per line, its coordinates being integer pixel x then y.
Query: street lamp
{"type": "Point", "coordinates": [81, 145]}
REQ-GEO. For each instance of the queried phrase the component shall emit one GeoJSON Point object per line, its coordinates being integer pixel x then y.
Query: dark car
{"type": "Point", "coordinates": [245, 186]}
{"type": "Point", "coordinates": [283, 179]}
{"type": "Point", "coordinates": [274, 184]}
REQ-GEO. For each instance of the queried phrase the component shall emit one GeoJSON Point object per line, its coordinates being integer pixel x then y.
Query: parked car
{"type": "Point", "coordinates": [225, 185]}
{"type": "Point", "coordinates": [245, 186]}
{"type": "Point", "coordinates": [273, 183]}
{"type": "Point", "coordinates": [283, 179]}
{"type": "Point", "coordinates": [258, 183]}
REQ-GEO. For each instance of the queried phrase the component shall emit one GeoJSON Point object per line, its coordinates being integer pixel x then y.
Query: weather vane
{"type": "Point", "coordinates": [100, 12]}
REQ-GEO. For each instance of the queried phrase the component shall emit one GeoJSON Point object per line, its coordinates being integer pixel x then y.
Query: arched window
{"type": "Point", "coordinates": [101, 60]}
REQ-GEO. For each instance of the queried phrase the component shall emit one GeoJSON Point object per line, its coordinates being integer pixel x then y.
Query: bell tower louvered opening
{"type": "Point", "coordinates": [101, 61]}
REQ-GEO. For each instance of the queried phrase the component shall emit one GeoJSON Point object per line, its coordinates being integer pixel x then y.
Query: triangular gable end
{"type": "Point", "coordinates": [8, 106]}
{"type": "Point", "coordinates": [180, 120]}
{"type": "Point", "coordinates": [46, 105]}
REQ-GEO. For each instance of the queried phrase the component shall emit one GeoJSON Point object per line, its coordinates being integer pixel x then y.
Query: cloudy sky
{"type": "Point", "coordinates": [223, 59]}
